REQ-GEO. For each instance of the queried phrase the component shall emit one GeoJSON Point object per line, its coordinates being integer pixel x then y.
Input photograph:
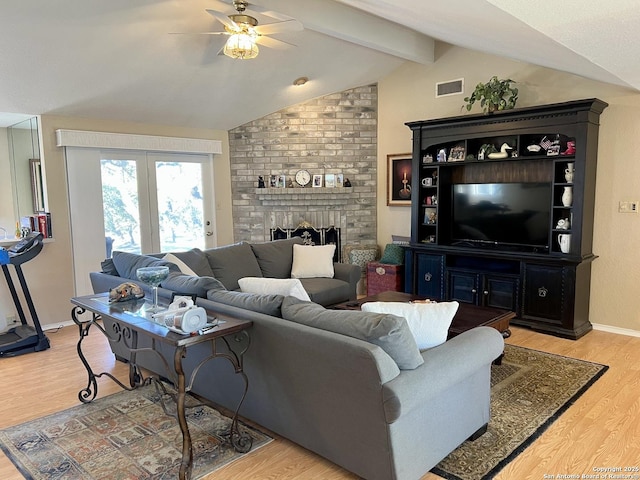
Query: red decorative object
{"type": "Point", "coordinates": [383, 277]}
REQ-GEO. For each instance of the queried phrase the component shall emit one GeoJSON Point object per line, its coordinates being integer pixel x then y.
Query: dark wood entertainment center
{"type": "Point", "coordinates": [547, 285]}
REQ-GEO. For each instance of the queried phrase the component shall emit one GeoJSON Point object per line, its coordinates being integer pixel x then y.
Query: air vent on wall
{"type": "Point", "coordinates": [452, 87]}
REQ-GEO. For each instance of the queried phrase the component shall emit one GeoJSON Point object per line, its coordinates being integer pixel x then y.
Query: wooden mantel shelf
{"type": "Point", "coordinates": [308, 193]}
{"type": "Point", "coordinates": [318, 196]}
{"type": "Point", "coordinates": [264, 192]}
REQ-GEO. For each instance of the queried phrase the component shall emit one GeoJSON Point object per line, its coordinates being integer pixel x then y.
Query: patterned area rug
{"type": "Point", "coordinates": [122, 436]}
{"type": "Point", "coordinates": [529, 391]}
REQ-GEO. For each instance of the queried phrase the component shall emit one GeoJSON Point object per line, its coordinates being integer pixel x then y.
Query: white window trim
{"type": "Point", "coordinates": [153, 143]}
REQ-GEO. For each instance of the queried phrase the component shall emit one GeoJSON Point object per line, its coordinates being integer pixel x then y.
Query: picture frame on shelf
{"type": "Point", "coordinates": [329, 180]}
{"type": "Point", "coordinates": [317, 181]}
{"type": "Point", "coordinates": [399, 175]}
{"type": "Point", "coordinates": [273, 181]}
{"type": "Point", "coordinates": [457, 153]}
{"type": "Point", "coordinates": [282, 181]}
{"type": "Point", "coordinates": [339, 180]}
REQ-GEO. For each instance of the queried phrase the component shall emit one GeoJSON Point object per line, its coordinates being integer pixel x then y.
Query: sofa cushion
{"type": "Point", "coordinates": [191, 285]}
{"type": "Point", "coordinates": [275, 258]}
{"type": "Point", "coordinates": [429, 322]}
{"type": "Point", "coordinates": [313, 261]}
{"type": "Point", "coordinates": [326, 291]}
{"type": "Point", "coordinates": [196, 260]}
{"type": "Point", "coordinates": [233, 262]}
{"type": "Point", "coordinates": [184, 268]}
{"type": "Point", "coordinates": [277, 286]}
{"type": "Point", "coordinates": [127, 263]}
{"type": "Point", "coordinates": [267, 304]}
{"type": "Point", "coordinates": [389, 332]}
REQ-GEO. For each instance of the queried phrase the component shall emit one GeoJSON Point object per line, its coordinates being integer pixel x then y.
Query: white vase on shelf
{"type": "Point", "coordinates": [564, 240]}
{"type": "Point", "coordinates": [567, 196]}
{"type": "Point", "coordinates": [568, 173]}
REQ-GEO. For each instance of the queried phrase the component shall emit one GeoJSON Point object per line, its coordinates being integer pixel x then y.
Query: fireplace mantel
{"type": "Point", "coordinates": [304, 195]}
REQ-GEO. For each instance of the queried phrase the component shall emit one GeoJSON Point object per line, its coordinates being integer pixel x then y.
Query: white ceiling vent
{"type": "Point", "coordinates": [452, 87]}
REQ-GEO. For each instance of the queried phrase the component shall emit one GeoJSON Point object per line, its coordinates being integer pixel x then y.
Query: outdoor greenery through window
{"type": "Point", "coordinates": [177, 199]}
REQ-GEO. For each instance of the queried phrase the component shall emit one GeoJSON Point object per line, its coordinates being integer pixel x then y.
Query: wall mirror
{"type": "Point", "coordinates": [27, 174]}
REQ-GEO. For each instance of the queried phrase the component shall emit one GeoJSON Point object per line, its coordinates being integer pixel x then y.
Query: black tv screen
{"type": "Point", "coordinates": [515, 214]}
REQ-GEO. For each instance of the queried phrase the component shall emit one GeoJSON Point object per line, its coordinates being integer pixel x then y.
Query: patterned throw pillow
{"type": "Point", "coordinates": [393, 255]}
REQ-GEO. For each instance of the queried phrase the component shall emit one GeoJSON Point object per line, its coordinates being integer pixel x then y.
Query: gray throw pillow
{"type": "Point", "coordinates": [127, 263]}
{"type": "Point", "coordinates": [267, 304]}
{"type": "Point", "coordinates": [233, 262]}
{"type": "Point", "coordinates": [191, 285]}
{"type": "Point", "coordinates": [389, 332]}
{"type": "Point", "coordinates": [196, 260]}
{"type": "Point", "coordinates": [275, 258]}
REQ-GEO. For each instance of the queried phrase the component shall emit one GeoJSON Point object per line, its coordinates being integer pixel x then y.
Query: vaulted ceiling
{"type": "Point", "coordinates": [119, 60]}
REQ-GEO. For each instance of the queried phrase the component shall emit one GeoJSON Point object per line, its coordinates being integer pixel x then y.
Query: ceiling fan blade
{"type": "Point", "coordinates": [199, 33]}
{"type": "Point", "coordinates": [226, 21]}
{"type": "Point", "coordinates": [273, 43]}
{"type": "Point", "coordinates": [278, 27]}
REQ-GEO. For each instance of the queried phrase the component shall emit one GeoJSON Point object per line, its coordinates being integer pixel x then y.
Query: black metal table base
{"type": "Point", "coordinates": [128, 336]}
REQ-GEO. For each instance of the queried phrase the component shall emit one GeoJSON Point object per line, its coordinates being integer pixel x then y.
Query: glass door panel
{"type": "Point", "coordinates": [180, 205]}
{"type": "Point", "coordinates": [121, 206]}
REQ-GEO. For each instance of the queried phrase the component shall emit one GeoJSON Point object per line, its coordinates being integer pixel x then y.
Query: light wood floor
{"type": "Point", "coordinates": [602, 429]}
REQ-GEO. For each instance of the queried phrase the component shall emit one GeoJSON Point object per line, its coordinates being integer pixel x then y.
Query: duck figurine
{"type": "Point", "coordinates": [503, 153]}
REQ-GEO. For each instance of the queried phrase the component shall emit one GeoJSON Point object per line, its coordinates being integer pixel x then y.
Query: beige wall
{"type": "Point", "coordinates": [408, 95]}
{"type": "Point", "coordinates": [50, 275]}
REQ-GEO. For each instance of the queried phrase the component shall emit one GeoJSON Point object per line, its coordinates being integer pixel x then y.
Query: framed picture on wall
{"type": "Point", "coordinates": [317, 181]}
{"type": "Point", "coordinates": [329, 180]}
{"type": "Point", "coordinates": [399, 179]}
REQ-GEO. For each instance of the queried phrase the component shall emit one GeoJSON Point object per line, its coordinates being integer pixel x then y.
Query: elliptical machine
{"type": "Point", "coordinates": [23, 338]}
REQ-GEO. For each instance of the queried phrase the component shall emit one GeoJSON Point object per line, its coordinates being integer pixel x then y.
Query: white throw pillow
{"type": "Point", "coordinates": [429, 322]}
{"type": "Point", "coordinates": [184, 268]}
{"type": "Point", "coordinates": [312, 261]}
{"type": "Point", "coordinates": [274, 286]}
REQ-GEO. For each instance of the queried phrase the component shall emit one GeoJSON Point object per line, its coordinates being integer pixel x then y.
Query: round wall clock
{"type": "Point", "coordinates": [303, 178]}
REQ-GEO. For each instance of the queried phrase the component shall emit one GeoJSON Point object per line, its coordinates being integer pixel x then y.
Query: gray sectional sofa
{"type": "Point", "coordinates": [350, 386]}
{"type": "Point", "coordinates": [227, 265]}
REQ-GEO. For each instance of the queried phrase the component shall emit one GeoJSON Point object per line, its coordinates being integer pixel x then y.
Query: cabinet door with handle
{"type": "Point", "coordinates": [462, 286]}
{"type": "Point", "coordinates": [429, 274]}
{"type": "Point", "coordinates": [543, 293]}
{"type": "Point", "coordinates": [501, 292]}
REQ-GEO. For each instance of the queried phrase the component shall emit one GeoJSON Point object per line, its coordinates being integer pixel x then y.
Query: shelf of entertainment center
{"type": "Point", "coordinates": [520, 159]}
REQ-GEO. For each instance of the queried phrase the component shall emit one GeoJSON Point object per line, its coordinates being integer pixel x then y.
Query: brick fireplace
{"type": "Point", "coordinates": [333, 134]}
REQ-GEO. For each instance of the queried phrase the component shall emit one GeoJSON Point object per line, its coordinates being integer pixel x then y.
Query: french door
{"type": "Point", "coordinates": [155, 202]}
{"type": "Point", "coordinates": [136, 201]}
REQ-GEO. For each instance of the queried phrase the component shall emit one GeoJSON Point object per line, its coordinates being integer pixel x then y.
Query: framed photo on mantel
{"type": "Point", "coordinates": [399, 179]}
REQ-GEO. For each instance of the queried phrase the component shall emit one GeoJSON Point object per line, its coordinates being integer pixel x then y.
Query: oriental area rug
{"type": "Point", "coordinates": [122, 436]}
{"type": "Point", "coordinates": [529, 391]}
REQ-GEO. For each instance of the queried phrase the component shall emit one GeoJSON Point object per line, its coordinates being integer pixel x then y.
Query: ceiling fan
{"type": "Point", "coordinates": [245, 34]}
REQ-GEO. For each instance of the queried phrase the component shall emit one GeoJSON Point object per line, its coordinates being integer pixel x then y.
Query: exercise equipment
{"type": "Point", "coordinates": [23, 338]}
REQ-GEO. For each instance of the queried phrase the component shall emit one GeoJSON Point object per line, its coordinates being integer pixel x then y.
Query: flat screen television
{"type": "Point", "coordinates": [502, 215]}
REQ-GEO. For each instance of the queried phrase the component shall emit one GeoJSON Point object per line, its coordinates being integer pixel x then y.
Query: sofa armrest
{"type": "Point", "coordinates": [349, 273]}
{"type": "Point", "coordinates": [444, 366]}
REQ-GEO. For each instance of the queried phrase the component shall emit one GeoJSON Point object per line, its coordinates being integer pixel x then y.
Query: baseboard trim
{"type": "Point", "coordinates": [57, 326]}
{"type": "Point", "coordinates": [618, 330]}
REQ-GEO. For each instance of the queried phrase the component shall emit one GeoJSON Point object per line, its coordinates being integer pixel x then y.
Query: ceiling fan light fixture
{"type": "Point", "coordinates": [241, 46]}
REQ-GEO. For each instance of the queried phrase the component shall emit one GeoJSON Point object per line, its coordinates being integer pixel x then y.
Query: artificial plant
{"type": "Point", "coordinates": [494, 95]}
